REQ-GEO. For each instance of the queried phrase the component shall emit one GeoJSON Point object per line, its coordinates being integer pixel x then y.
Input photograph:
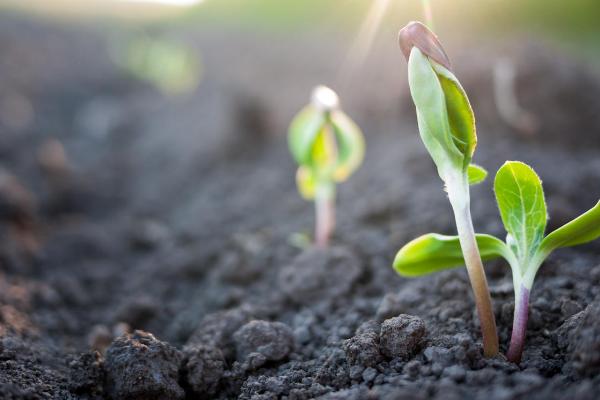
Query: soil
{"type": "Point", "coordinates": [148, 243]}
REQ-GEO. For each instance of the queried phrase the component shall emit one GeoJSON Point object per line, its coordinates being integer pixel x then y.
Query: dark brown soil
{"type": "Point", "coordinates": [155, 259]}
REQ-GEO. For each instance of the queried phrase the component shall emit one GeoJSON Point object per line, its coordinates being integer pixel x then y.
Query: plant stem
{"type": "Point", "coordinates": [325, 213]}
{"type": "Point", "coordinates": [458, 193]}
{"type": "Point", "coordinates": [517, 339]}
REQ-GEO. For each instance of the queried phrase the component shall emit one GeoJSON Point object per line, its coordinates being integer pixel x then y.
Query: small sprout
{"type": "Point", "coordinates": [476, 174]}
{"type": "Point", "coordinates": [520, 198]}
{"type": "Point", "coordinates": [171, 66]}
{"type": "Point", "coordinates": [328, 147]}
{"type": "Point", "coordinates": [447, 128]}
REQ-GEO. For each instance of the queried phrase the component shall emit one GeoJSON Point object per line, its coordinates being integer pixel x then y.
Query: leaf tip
{"type": "Point", "coordinates": [416, 34]}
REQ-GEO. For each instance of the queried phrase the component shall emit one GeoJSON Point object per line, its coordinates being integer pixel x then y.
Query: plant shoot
{"type": "Point", "coordinates": [520, 198]}
{"type": "Point", "coordinates": [328, 147]}
{"type": "Point", "coordinates": [447, 128]}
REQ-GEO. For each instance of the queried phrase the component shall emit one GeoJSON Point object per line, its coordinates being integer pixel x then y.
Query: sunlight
{"type": "Point", "coordinates": [360, 48]}
{"type": "Point", "coordinates": [179, 3]}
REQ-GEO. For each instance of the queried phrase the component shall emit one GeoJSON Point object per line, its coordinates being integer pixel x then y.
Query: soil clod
{"type": "Point", "coordinates": [402, 336]}
{"type": "Point", "coordinates": [272, 340]}
{"type": "Point", "coordinates": [203, 368]}
{"type": "Point", "coordinates": [140, 367]}
{"type": "Point", "coordinates": [320, 274]}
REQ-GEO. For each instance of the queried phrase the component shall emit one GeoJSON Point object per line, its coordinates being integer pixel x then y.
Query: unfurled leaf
{"type": "Point", "coordinates": [476, 174]}
{"type": "Point", "coordinates": [522, 207]}
{"type": "Point", "coordinates": [433, 252]}
{"type": "Point", "coordinates": [582, 229]}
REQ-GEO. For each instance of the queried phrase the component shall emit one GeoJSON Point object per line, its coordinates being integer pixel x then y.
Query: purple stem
{"type": "Point", "coordinates": [517, 340]}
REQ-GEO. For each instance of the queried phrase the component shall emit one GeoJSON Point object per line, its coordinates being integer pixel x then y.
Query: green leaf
{"type": "Point", "coordinates": [433, 252]}
{"type": "Point", "coordinates": [432, 115]}
{"type": "Point", "coordinates": [476, 174]}
{"type": "Point", "coordinates": [582, 229]}
{"type": "Point", "coordinates": [460, 114]}
{"type": "Point", "coordinates": [350, 145]}
{"type": "Point", "coordinates": [303, 131]}
{"type": "Point", "coordinates": [522, 207]}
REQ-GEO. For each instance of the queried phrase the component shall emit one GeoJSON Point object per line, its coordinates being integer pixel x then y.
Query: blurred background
{"type": "Point", "coordinates": [163, 109]}
{"type": "Point", "coordinates": [197, 75]}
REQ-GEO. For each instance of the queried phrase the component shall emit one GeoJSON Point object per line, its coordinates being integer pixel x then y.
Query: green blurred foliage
{"type": "Point", "coordinates": [169, 65]}
{"type": "Point", "coordinates": [573, 16]}
{"type": "Point", "coordinates": [575, 21]}
{"type": "Point", "coordinates": [282, 15]}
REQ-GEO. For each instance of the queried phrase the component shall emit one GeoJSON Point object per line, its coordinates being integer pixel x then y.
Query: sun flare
{"type": "Point", "coordinates": [364, 39]}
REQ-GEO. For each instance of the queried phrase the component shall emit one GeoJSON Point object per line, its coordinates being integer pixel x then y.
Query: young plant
{"type": "Point", "coordinates": [328, 147]}
{"type": "Point", "coordinates": [447, 128]}
{"type": "Point", "coordinates": [520, 198]}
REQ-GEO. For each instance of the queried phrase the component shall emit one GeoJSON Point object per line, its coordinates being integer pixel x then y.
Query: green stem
{"type": "Point", "coordinates": [458, 193]}
{"type": "Point", "coordinates": [325, 213]}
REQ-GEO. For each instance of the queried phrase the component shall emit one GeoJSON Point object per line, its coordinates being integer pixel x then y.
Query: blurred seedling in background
{"type": "Point", "coordinates": [520, 198]}
{"type": "Point", "coordinates": [328, 147]}
{"type": "Point", "coordinates": [169, 65]}
{"type": "Point", "coordinates": [447, 128]}
{"type": "Point", "coordinates": [507, 103]}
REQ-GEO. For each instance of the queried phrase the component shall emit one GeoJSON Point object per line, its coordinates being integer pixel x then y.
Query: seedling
{"type": "Point", "coordinates": [447, 128]}
{"type": "Point", "coordinates": [328, 147]}
{"type": "Point", "coordinates": [520, 198]}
